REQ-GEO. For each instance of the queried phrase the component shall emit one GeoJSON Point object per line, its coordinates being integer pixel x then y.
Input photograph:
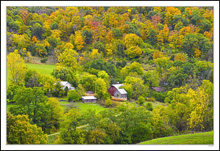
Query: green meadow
{"type": "Point", "coordinates": [197, 138]}
{"type": "Point", "coordinates": [41, 68]}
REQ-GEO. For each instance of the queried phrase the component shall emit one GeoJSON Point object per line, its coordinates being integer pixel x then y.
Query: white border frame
{"type": "Point", "coordinates": [215, 4]}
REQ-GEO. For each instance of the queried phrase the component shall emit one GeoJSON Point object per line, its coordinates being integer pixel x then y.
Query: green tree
{"type": "Point", "coordinates": [55, 112]}
{"type": "Point", "coordinates": [151, 78]}
{"type": "Point", "coordinates": [20, 131]}
{"type": "Point", "coordinates": [101, 87]}
{"type": "Point", "coordinates": [137, 85]}
{"type": "Point", "coordinates": [88, 82]}
{"type": "Point", "coordinates": [73, 95]}
{"type": "Point", "coordinates": [69, 134]}
{"type": "Point", "coordinates": [68, 58]}
{"type": "Point", "coordinates": [179, 108]}
{"type": "Point", "coordinates": [31, 102]}
{"type": "Point", "coordinates": [134, 69]}
{"type": "Point", "coordinates": [65, 74]}
{"type": "Point", "coordinates": [103, 75]}
{"type": "Point", "coordinates": [37, 31]}
{"type": "Point", "coordinates": [95, 137]}
{"type": "Point", "coordinates": [191, 41]}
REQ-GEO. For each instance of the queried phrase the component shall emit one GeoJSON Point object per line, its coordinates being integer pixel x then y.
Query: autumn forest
{"type": "Point", "coordinates": [161, 59]}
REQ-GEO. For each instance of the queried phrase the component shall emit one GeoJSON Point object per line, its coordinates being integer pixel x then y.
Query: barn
{"type": "Point", "coordinates": [89, 99]}
{"type": "Point", "coordinates": [116, 92]}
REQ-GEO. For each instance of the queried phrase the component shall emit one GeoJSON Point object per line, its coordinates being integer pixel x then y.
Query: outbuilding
{"type": "Point", "coordinates": [89, 99]}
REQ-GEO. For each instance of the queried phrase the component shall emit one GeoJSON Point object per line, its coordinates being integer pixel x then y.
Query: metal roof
{"type": "Point", "coordinates": [158, 89]}
{"type": "Point", "coordinates": [88, 97]}
{"type": "Point", "coordinates": [117, 86]}
{"type": "Point", "coordinates": [64, 82]}
{"type": "Point", "coordinates": [122, 91]}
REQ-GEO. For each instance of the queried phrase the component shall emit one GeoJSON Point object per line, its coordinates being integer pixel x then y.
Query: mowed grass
{"type": "Point", "coordinates": [41, 68]}
{"type": "Point", "coordinates": [197, 138]}
{"type": "Point", "coordinates": [83, 106]}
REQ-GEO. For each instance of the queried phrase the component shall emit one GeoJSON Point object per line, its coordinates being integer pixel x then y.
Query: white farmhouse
{"type": "Point", "coordinates": [65, 84]}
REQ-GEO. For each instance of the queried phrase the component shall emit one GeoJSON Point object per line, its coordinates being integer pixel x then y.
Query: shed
{"type": "Point", "coordinates": [158, 89]}
{"type": "Point", "coordinates": [89, 92]}
{"type": "Point", "coordinates": [89, 99]}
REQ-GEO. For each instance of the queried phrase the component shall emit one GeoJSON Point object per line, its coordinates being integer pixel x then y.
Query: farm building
{"type": "Point", "coordinates": [89, 93]}
{"type": "Point", "coordinates": [116, 92]}
{"type": "Point", "coordinates": [65, 84]}
{"type": "Point", "coordinates": [89, 99]}
{"type": "Point", "coordinates": [158, 89]}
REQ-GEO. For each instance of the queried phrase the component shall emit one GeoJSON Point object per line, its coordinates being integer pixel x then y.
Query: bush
{"type": "Point", "coordinates": [150, 61]}
{"type": "Point", "coordinates": [151, 99]}
{"type": "Point", "coordinates": [73, 95]}
{"type": "Point", "coordinates": [159, 96]}
{"type": "Point", "coordinates": [43, 60]}
{"type": "Point", "coordinates": [108, 102]}
{"type": "Point", "coordinates": [141, 100]}
{"type": "Point", "coordinates": [149, 106]}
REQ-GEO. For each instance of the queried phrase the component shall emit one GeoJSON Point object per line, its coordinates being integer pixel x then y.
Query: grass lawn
{"type": "Point", "coordinates": [82, 106]}
{"type": "Point", "coordinates": [197, 138]}
{"type": "Point", "coordinates": [41, 68]}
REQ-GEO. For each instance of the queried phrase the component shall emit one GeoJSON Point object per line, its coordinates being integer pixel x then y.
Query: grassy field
{"type": "Point", "coordinates": [41, 68]}
{"type": "Point", "coordinates": [197, 138]}
{"type": "Point", "coordinates": [83, 106]}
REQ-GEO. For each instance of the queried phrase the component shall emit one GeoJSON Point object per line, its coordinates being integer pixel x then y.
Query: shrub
{"type": "Point", "coordinates": [159, 96]}
{"type": "Point", "coordinates": [108, 102]}
{"type": "Point", "coordinates": [73, 95]}
{"type": "Point", "coordinates": [149, 106]}
{"type": "Point", "coordinates": [150, 61]}
{"type": "Point", "coordinates": [43, 60]}
{"type": "Point", "coordinates": [141, 100]}
{"type": "Point", "coordinates": [151, 99]}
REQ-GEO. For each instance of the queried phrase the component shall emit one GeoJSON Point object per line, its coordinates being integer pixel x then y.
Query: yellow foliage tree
{"type": "Point", "coordinates": [133, 51]}
{"type": "Point", "coordinates": [207, 34]}
{"type": "Point", "coordinates": [163, 35]}
{"type": "Point", "coordinates": [20, 131]}
{"type": "Point", "coordinates": [180, 57]}
{"type": "Point", "coordinates": [79, 42]}
{"type": "Point", "coordinates": [16, 66]}
{"type": "Point", "coordinates": [132, 40]}
{"type": "Point", "coordinates": [157, 54]}
{"type": "Point", "coordinates": [69, 46]}
{"type": "Point", "coordinates": [197, 53]}
{"type": "Point", "coordinates": [68, 58]}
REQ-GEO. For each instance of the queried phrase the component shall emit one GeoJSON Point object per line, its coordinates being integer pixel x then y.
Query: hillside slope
{"type": "Point", "coordinates": [197, 138]}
